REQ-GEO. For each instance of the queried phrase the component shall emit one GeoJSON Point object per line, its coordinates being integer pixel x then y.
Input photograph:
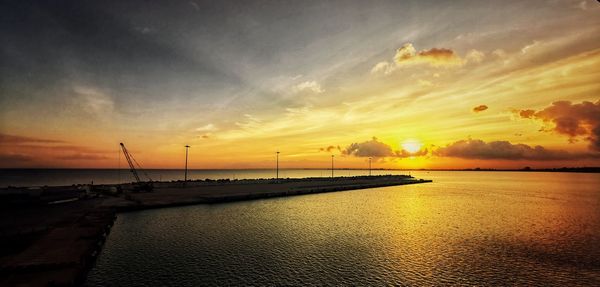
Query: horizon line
{"type": "Point", "coordinates": [309, 168]}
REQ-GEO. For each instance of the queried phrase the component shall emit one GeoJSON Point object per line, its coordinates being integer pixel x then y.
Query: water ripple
{"type": "Point", "coordinates": [484, 229]}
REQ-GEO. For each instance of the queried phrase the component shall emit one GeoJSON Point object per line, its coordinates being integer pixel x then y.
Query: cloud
{"type": "Point", "coordinates": [573, 120]}
{"type": "Point", "coordinates": [375, 148]}
{"type": "Point", "coordinates": [372, 148]}
{"type": "Point", "coordinates": [13, 158]}
{"type": "Point", "coordinates": [145, 30]}
{"type": "Point", "coordinates": [384, 67]}
{"type": "Point", "coordinates": [310, 86]}
{"type": "Point", "coordinates": [60, 148]}
{"type": "Point", "coordinates": [82, 156]}
{"type": "Point", "coordinates": [207, 128]}
{"type": "Point", "coordinates": [251, 123]}
{"type": "Point", "coordinates": [499, 53]}
{"type": "Point", "coordinates": [19, 150]}
{"type": "Point", "coordinates": [425, 83]}
{"type": "Point", "coordinates": [404, 153]}
{"type": "Point", "coordinates": [480, 108]}
{"type": "Point", "coordinates": [405, 53]}
{"type": "Point", "coordinates": [475, 56]}
{"type": "Point", "coordinates": [478, 149]}
{"type": "Point", "coordinates": [93, 101]}
{"type": "Point", "coordinates": [331, 148]}
{"type": "Point", "coordinates": [195, 5]}
{"type": "Point", "coordinates": [528, 114]}
{"type": "Point", "coordinates": [11, 139]}
{"type": "Point", "coordinates": [438, 57]}
{"type": "Point", "coordinates": [529, 47]}
{"type": "Point", "coordinates": [435, 57]}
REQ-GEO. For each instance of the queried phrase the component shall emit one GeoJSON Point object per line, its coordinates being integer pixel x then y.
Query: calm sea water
{"type": "Point", "coordinates": [57, 177]}
{"type": "Point", "coordinates": [465, 228]}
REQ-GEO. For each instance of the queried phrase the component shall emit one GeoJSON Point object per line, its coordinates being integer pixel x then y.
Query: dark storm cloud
{"type": "Point", "coordinates": [573, 120]}
{"type": "Point", "coordinates": [478, 149]}
{"type": "Point", "coordinates": [50, 43]}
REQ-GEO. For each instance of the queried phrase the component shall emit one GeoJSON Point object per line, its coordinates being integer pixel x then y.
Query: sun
{"type": "Point", "coordinates": [411, 145]}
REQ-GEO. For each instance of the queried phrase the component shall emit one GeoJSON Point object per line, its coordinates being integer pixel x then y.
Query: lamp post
{"type": "Point", "coordinates": [186, 163]}
{"type": "Point", "coordinates": [332, 166]}
{"type": "Point", "coordinates": [277, 167]}
{"type": "Point", "coordinates": [369, 166]}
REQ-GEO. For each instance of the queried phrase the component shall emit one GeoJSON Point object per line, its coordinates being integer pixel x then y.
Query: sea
{"type": "Point", "coordinates": [466, 228]}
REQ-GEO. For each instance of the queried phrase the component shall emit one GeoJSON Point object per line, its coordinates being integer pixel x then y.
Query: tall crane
{"type": "Point", "coordinates": [139, 184]}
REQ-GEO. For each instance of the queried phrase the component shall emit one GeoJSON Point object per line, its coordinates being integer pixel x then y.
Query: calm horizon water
{"type": "Point", "coordinates": [463, 229]}
{"type": "Point", "coordinates": [61, 177]}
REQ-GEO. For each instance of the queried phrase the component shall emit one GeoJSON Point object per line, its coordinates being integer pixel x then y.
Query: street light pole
{"type": "Point", "coordinates": [277, 169]}
{"type": "Point", "coordinates": [186, 163]}
{"type": "Point", "coordinates": [332, 166]}
{"type": "Point", "coordinates": [369, 166]}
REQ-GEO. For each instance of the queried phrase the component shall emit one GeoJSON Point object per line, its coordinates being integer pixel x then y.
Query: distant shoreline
{"type": "Point", "coordinates": [562, 169]}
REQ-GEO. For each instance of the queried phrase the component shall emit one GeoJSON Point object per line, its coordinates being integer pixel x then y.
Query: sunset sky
{"type": "Point", "coordinates": [413, 84]}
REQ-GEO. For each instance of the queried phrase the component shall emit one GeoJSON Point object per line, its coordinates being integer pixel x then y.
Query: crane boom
{"type": "Point", "coordinates": [132, 162]}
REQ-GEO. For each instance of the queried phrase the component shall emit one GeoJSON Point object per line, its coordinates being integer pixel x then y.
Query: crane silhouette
{"type": "Point", "coordinates": [139, 185]}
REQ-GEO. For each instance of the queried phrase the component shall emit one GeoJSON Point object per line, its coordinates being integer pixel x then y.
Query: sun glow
{"type": "Point", "coordinates": [411, 145]}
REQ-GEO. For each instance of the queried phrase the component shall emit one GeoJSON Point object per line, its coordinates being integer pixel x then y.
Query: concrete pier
{"type": "Point", "coordinates": [198, 192]}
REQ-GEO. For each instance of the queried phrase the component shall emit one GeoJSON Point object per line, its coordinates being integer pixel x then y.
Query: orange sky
{"type": "Point", "coordinates": [412, 85]}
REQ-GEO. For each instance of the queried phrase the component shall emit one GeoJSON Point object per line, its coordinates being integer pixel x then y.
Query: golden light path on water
{"type": "Point", "coordinates": [465, 228]}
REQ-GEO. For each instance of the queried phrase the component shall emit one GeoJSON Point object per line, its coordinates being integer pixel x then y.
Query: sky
{"type": "Point", "coordinates": [409, 84]}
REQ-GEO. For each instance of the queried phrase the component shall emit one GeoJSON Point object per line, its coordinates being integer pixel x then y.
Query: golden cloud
{"type": "Point", "coordinates": [478, 149]}
{"type": "Point", "coordinates": [573, 120]}
{"type": "Point", "coordinates": [376, 149]}
{"type": "Point", "coordinates": [12, 139]}
{"type": "Point", "coordinates": [480, 108]}
{"type": "Point", "coordinates": [308, 86]}
{"type": "Point", "coordinates": [331, 148]}
{"type": "Point", "coordinates": [475, 56]}
{"type": "Point", "coordinates": [435, 57]}
{"type": "Point", "coordinates": [16, 150]}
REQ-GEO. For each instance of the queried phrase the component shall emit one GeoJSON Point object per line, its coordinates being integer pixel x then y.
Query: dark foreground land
{"type": "Point", "coordinates": [51, 236]}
